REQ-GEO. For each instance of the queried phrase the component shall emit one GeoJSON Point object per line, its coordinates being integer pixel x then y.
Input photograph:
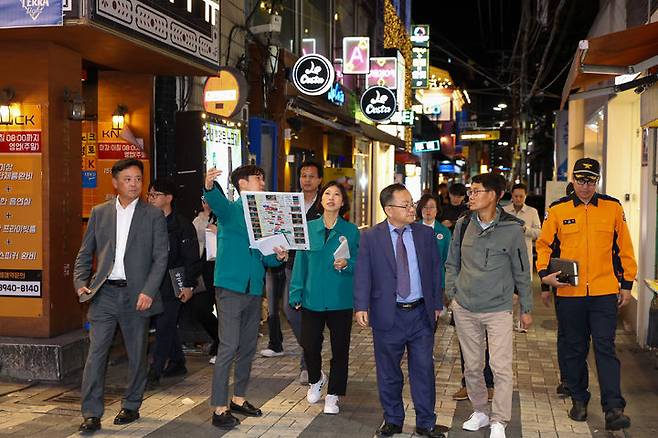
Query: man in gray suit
{"type": "Point", "coordinates": [129, 239]}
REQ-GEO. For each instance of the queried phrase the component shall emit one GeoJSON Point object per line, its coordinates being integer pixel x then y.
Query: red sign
{"type": "Point", "coordinates": [118, 151]}
{"type": "Point", "coordinates": [20, 141]}
{"type": "Point", "coordinates": [383, 72]}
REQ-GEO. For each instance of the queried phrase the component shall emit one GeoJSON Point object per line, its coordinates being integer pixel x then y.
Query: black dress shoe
{"type": "Point", "coordinates": [246, 409]}
{"type": "Point", "coordinates": [563, 390]}
{"type": "Point", "coordinates": [389, 429]}
{"type": "Point", "coordinates": [616, 420]}
{"type": "Point", "coordinates": [90, 425]}
{"type": "Point", "coordinates": [432, 433]}
{"type": "Point", "coordinates": [578, 411]}
{"type": "Point", "coordinates": [126, 416]}
{"type": "Point", "coordinates": [175, 369]}
{"type": "Point", "coordinates": [225, 420]}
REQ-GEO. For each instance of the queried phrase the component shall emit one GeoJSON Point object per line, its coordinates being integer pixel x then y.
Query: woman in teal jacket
{"type": "Point", "coordinates": [321, 288]}
{"type": "Point", "coordinates": [427, 210]}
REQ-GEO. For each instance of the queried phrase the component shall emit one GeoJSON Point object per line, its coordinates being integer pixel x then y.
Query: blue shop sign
{"type": "Point", "coordinates": [30, 13]}
{"type": "Point", "coordinates": [89, 179]}
{"type": "Point", "coordinates": [336, 95]}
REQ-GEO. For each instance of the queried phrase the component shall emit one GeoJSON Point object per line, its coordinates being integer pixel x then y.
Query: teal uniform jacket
{"type": "Point", "coordinates": [442, 235]}
{"type": "Point", "coordinates": [237, 267]}
{"type": "Point", "coordinates": [315, 283]}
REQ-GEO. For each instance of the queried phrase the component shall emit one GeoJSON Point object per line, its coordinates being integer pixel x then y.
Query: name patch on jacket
{"type": "Point", "coordinates": [568, 221]}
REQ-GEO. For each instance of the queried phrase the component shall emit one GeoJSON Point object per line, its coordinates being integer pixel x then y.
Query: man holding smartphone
{"type": "Point", "coordinates": [590, 228]}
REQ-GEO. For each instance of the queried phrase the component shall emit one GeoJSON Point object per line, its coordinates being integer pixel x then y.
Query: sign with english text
{"type": "Point", "coordinates": [383, 72]}
{"type": "Point", "coordinates": [356, 55]}
{"type": "Point", "coordinates": [30, 13]}
{"type": "Point", "coordinates": [313, 75]}
{"type": "Point", "coordinates": [378, 103]}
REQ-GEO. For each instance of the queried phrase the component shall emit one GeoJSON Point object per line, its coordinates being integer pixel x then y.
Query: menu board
{"type": "Point", "coordinates": [103, 146]}
{"type": "Point", "coordinates": [270, 213]}
{"type": "Point", "coordinates": [21, 220]}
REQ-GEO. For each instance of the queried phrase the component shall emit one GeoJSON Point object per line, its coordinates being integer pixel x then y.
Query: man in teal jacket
{"type": "Point", "coordinates": [239, 277]}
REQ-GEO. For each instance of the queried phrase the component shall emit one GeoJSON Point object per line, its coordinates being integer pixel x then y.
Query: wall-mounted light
{"type": "Point", "coordinates": [119, 117]}
{"type": "Point", "coordinates": [6, 97]}
{"type": "Point", "coordinates": [76, 105]}
{"type": "Point", "coordinates": [290, 158]}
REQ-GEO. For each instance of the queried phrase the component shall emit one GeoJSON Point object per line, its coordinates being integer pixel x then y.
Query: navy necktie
{"type": "Point", "coordinates": [404, 279]}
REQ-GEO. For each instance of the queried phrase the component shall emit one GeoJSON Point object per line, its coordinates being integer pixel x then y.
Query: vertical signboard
{"type": "Point", "coordinates": [308, 46]}
{"type": "Point", "coordinates": [223, 151]}
{"type": "Point", "coordinates": [356, 55]}
{"type": "Point", "coordinates": [420, 56]}
{"type": "Point", "coordinates": [21, 229]}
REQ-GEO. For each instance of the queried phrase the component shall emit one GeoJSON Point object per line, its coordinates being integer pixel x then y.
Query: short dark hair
{"type": "Point", "coordinates": [457, 189]}
{"type": "Point", "coordinates": [126, 163]}
{"type": "Point", "coordinates": [309, 163]}
{"type": "Point", "coordinates": [490, 181]}
{"type": "Point", "coordinates": [346, 201]}
{"type": "Point", "coordinates": [386, 195]}
{"type": "Point", "coordinates": [427, 197]}
{"type": "Point", "coordinates": [164, 185]}
{"type": "Point", "coordinates": [520, 186]}
{"type": "Point", "coordinates": [244, 172]}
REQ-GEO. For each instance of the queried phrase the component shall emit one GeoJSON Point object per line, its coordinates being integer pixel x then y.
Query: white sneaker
{"type": "Point", "coordinates": [518, 328]}
{"type": "Point", "coordinates": [212, 360]}
{"type": "Point", "coordinates": [314, 393]}
{"type": "Point", "coordinates": [476, 421]}
{"type": "Point", "coordinates": [303, 377]}
{"type": "Point", "coordinates": [268, 352]}
{"type": "Point", "coordinates": [497, 430]}
{"type": "Point", "coordinates": [331, 404]}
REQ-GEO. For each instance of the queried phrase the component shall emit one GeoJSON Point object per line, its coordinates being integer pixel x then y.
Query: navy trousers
{"type": "Point", "coordinates": [595, 317]}
{"type": "Point", "coordinates": [413, 331]}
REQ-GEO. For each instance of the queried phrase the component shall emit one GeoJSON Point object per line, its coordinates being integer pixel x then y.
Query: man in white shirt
{"type": "Point", "coordinates": [531, 229]}
{"type": "Point", "coordinates": [129, 239]}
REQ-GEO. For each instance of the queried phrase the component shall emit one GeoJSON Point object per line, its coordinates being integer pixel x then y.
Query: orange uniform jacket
{"type": "Point", "coordinates": [595, 235]}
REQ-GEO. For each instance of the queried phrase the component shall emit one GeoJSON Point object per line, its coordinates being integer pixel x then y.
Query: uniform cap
{"type": "Point", "coordinates": [587, 168]}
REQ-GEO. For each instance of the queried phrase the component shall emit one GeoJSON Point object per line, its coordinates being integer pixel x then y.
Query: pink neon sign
{"type": "Point", "coordinates": [356, 55]}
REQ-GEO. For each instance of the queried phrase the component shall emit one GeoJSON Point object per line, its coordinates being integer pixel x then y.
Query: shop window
{"type": "Point", "coordinates": [315, 25]}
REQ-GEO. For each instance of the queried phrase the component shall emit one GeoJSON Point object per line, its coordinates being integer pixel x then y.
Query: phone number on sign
{"type": "Point", "coordinates": [20, 288]}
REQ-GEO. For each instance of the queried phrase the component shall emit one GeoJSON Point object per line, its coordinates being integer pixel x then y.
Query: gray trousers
{"type": "Point", "coordinates": [238, 317]}
{"type": "Point", "coordinates": [111, 307]}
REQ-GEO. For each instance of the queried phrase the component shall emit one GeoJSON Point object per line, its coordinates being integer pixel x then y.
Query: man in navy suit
{"type": "Point", "coordinates": [397, 289]}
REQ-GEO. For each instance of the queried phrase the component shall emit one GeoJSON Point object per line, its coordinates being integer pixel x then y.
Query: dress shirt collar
{"type": "Point", "coordinates": [392, 229]}
{"type": "Point", "coordinates": [130, 206]}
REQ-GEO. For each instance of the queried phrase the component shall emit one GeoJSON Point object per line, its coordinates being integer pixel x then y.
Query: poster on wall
{"type": "Point", "coordinates": [276, 215]}
{"type": "Point", "coordinates": [223, 151]}
{"type": "Point", "coordinates": [21, 229]}
{"type": "Point", "coordinates": [103, 146]}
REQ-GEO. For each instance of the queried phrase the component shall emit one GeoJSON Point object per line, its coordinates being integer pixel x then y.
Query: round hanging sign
{"type": "Point", "coordinates": [313, 74]}
{"type": "Point", "coordinates": [378, 103]}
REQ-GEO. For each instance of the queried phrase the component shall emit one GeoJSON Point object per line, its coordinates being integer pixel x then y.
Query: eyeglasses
{"type": "Point", "coordinates": [586, 181]}
{"type": "Point", "coordinates": [406, 206]}
{"type": "Point", "coordinates": [429, 207]}
{"type": "Point", "coordinates": [153, 195]}
{"type": "Point", "coordinates": [472, 193]}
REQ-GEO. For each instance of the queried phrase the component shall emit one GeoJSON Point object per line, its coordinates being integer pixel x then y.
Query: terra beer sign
{"type": "Point", "coordinates": [378, 103]}
{"type": "Point", "coordinates": [313, 75]}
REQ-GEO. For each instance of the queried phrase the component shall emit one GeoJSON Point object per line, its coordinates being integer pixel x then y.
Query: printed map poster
{"type": "Point", "coordinates": [21, 220]}
{"type": "Point", "coordinates": [270, 213]}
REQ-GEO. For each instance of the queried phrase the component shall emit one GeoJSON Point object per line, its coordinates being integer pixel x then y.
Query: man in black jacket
{"type": "Point", "coordinates": [183, 252]}
{"type": "Point", "coordinates": [277, 280]}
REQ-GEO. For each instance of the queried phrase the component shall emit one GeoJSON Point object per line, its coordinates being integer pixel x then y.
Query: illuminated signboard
{"type": "Point", "coordinates": [378, 103]}
{"type": "Point", "coordinates": [480, 135]}
{"type": "Point", "coordinates": [313, 75]}
{"type": "Point", "coordinates": [226, 93]}
{"type": "Point", "coordinates": [223, 151]}
{"type": "Point", "coordinates": [404, 117]}
{"type": "Point", "coordinates": [420, 66]}
{"type": "Point", "coordinates": [356, 55]}
{"type": "Point", "coordinates": [338, 69]}
{"type": "Point", "coordinates": [336, 95]}
{"type": "Point", "coordinates": [420, 35]}
{"type": "Point", "coordinates": [383, 72]}
{"type": "Point", "coordinates": [308, 46]}
{"type": "Point", "coordinates": [427, 146]}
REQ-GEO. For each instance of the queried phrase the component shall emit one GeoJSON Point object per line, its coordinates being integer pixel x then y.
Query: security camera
{"type": "Point", "coordinates": [274, 26]}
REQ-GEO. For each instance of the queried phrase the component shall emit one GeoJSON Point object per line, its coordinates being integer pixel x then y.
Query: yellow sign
{"type": "Point", "coordinates": [480, 135]}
